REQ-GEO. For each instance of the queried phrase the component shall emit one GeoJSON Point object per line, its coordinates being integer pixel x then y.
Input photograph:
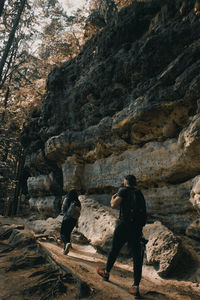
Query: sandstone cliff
{"type": "Point", "coordinates": [128, 103]}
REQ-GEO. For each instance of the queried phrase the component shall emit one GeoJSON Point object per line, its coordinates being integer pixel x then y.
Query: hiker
{"type": "Point", "coordinates": [71, 208]}
{"type": "Point", "coordinates": [132, 218]}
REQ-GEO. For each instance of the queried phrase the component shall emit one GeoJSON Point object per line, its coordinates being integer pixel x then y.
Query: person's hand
{"type": "Point", "coordinates": [114, 196]}
{"type": "Point", "coordinates": [115, 201]}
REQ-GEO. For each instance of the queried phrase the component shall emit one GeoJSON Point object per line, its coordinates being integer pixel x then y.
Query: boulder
{"type": "Point", "coordinates": [97, 223]}
{"type": "Point", "coordinates": [163, 250]}
{"type": "Point", "coordinates": [50, 226]}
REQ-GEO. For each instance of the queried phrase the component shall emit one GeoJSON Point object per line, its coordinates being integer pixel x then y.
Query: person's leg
{"type": "Point", "coordinates": [137, 261]}
{"type": "Point", "coordinates": [63, 231]}
{"type": "Point", "coordinates": [135, 244]}
{"type": "Point", "coordinates": [66, 229]}
{"type": "Point", "coordinates": [119, 239]}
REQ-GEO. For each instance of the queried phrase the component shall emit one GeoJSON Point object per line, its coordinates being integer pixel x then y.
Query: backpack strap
{"type": "Point", "coordinates": [132, 205]}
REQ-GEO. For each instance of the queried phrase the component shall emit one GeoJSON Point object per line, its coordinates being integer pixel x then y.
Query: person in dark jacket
{"type": "Point", "coordinates": [71, 208]}
{"type": "Point", "coordinates": [132, 218]}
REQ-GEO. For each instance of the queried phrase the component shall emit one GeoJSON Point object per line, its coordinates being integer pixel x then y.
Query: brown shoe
{"type": "Point", "coordinates": [103, 273]}
{"type": "Point", "coordinates": [134, 290]}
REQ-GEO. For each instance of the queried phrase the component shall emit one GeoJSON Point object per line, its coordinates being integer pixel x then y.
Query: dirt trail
{"type": "Point", "coordinates": [82, 261]}
{"type": "Point", "coordinates": [24, 272]}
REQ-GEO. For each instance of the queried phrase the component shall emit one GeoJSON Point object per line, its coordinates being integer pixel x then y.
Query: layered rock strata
{"type": "Point", "coordinates": [128, 103]}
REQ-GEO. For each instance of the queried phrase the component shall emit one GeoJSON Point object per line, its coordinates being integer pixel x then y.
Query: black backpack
{"type": "Point", "coordinates": [134, 208]}
{"type": "Point", "coordinates": [74, 210]}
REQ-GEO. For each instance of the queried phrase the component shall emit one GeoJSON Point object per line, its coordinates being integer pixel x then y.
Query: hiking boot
{"type": "Point", "coordinates": [66, 248]}
{"type": "Point", "coordinates": [103, 273]}
{"type": "Point", "coordinates": [134, 290]}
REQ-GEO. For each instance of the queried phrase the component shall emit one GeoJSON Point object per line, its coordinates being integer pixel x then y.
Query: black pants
{"type": "Point", "coordinates": [123, 233]}
{"type": "Point", "coordinates": [67, 226]}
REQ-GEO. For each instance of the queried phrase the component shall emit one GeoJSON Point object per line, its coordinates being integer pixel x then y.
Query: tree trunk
{"type": "Point", "coordinates": [2, 6]}
{"type": "Point", "coordinates": [5, 104]}
{"type": "Point", "coordinates": [12, 56]}
{"type": "Point", "coordinates": [11, 37]}
{"type": "Point", "coordinates": [19, 168]}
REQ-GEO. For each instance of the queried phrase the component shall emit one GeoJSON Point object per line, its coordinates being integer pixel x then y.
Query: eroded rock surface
{"type": "Point", "coordinates": [46, 206]}
{"type": "Point", "coordinates": [193, 229]}
{"type": "Point", "coordinates": [164, 249]}
{"type": "Point", "coordinates": [195, 194]}
{"type": "Point", "coordinates": [128, 103]}
{"type": "Point", "coordinates": [98, 219]}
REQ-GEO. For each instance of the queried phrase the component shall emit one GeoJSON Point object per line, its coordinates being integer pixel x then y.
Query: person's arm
{"type": "Point", "coordinates": [115, 201]}
{"type": "Point", "coordinates": [65, 205]}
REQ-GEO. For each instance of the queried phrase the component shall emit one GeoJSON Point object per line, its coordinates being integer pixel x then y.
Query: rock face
{"type": "Point", "coordinates": [46, 206]}
{"type": "Point", "coordinates": [128, 103]}
{"type": "Point", "coordinates": [163, 249]}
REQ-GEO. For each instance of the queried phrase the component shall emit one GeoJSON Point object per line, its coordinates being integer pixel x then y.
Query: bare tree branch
{"type": "Point", "coordinates": [26, 79]}
{"type": "Point", "coordinates": [11, 37]}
